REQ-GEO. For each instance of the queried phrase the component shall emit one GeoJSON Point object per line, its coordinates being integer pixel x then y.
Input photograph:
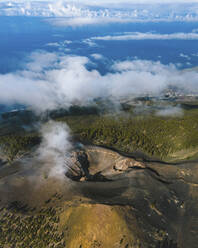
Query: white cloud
{"type": "Point", "coordinates": [148, 36]}
{"type": "Point", "coordinates": [89, 42]}
{"type": "Point", "coordinates": [61, 46]}
{"type": "Point", "coordinates": [97, 56]}
{"type": "Point", "coordinates": [78, 13]}
{"type": "Point", "coordinates": [53, 44]}
{"type": "Point", "coordinates": [184, 56]}
{"type": "Point", "coordinates": [121, 2]}
{"type": "Point", "coordinates": [82, 21]}
{"type": "Point", "coordinates": [67, 42]}
{"type": "Point", "coordinates": [51, 81]}
{"type": "Point", "coordinates": [46, 60]}
{"type": "Point", "coordinates": [107, 2]}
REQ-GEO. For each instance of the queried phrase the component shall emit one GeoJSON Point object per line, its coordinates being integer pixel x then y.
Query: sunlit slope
{"type": "Point", "coordinates": [132, 204]}
{"type": "Point", "coordinates": [168, 138]}
{"type": "Point", "coordinates": [75, 225]}
{"type": "Point", "coordinates": [91, 225]}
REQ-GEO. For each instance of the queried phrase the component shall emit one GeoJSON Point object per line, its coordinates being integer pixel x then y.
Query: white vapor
{"type": "Point", "coordinates": [80, 12]}
{"type": "Point", "coordinates": [97, 56]}
{"type": "Point", "coordinates": [106, 2]}
{"type": "Point", "coordinates": [170, 111]}
{"type": "Point", "coordinates": [54, 150]}
{"type": "Point", "coordinates": [50, 81]}
{"type": "Point", "coordinates": [148, 36]}
{"type": "Point", "coordinates": [82, 21]}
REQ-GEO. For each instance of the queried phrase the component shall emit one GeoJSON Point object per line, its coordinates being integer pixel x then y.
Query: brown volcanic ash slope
{"type": "Point", "coordinates": [109, 200]}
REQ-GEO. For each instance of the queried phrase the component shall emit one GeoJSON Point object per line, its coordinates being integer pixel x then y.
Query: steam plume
{"type": "Point", "coordinates": [55, 148]}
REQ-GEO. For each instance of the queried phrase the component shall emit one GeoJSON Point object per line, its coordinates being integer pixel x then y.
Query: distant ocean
{"type": "Point", "coordinates": [19, 36]}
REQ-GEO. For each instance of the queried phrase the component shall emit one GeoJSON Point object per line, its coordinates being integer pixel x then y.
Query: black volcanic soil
{"type": "Point", "coordinates": [162, 198]}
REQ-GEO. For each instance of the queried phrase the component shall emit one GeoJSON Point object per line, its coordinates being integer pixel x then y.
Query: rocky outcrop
{"type": "Point", "coordinates": [77, 166]}
{"type": "Point", "coordinates": [98, 164]}
{"type": "Point", "coordinates": [125, 164]}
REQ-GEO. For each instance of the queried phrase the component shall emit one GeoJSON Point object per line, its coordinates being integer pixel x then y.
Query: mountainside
{"type": "Point", "coordinates": [118, 202]}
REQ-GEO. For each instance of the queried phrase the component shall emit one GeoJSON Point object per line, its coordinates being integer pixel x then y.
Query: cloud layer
{"type": "Point", "coordinates": [148, 36]}
{"type": "Point", "coordinates": [50, 81]}
{"type": "Point", "coordinates": [78, 13]}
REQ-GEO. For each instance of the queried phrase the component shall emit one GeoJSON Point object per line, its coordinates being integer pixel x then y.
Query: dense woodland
{"type": "Point", "coordinates": [156, 136]}
{"type": "Point", "coordinates": [161, 137]}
